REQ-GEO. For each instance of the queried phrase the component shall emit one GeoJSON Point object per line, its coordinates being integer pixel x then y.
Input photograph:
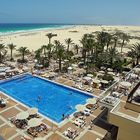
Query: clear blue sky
{"type": "Point", "coordinates": [70, 11]}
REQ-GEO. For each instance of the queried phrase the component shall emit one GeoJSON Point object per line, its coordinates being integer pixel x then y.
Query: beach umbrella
{"type": "Point", "coordinates": [81, 71]}
{"type": "Point", "coordinates": [7, 68]}
{"type": "Point", "coordinates": [46, 75]}
{"type": "Point", "coordinates": [104, 81]}
{"type": "Point", "coordinates": [111, 73]}
{"type": "Point", "coordinates": [52, 73]}
{"type": "Point", "coordinates": [96, 81]}
{"type": "Point", "coordinates": [62, 62]}
{"type": "Point", "coordinates": [103, 68]}
{"type": "Point", "coordinates": [66, 60]}
{"type": "Point", "coordinates": [87, 78]}
{"type": "Point", "coordinates": [90, 75]}
{"type": "Point", "coordinates": [39, 65]}
{"type": "Point", "coordinates": [32, 111]}
{"type": "Point", "coordinates": [20, 70]}
{"type": "Point", "coordinates": [125, 84]}
{"type": "Point", "coordinates": [25, 68]}
{"type": "Point", "coordinates": [2, 70]}
{"type": "Point", "coordinates": [2, 65]}
{"type": "Point", "coordinates": [76, 56]}
{"type": "Point", "coordinates": [138, 91]}
{"type": "Point", "coordinates": [91, 101]}
{"type": "Point", "coordinates": [22, 115]}
{"type": "Point", "coordinates": [39, 138]}
{"type": "Point", "coordinates": [80, 107]}
{"type": "Point", "coordinates": [98, 139]}
{"type": "Point", "coordinates": [109, 69]}
{"type": "Point", "coordinates": [2, 74]}
{"type": "Point", "coordinates": [70, 68]}
{"type": "Point", "coordinates": [77, 114]}
{"type": "Point", "coordinates": [80, 63]}
{"type": "Point", "coordinates": [9, 71]}
{"type": "Point", "coordinates": [116, 94]}
{"type": "Point", "coordinates": [74, 65]}
{"type": "Point", "coordinates": [102, 72]}
{"type": "Point", "coordinates": [35, 60]}
{"type": "Point", "coordinates": [89, 106]}
{"type": "Point", "coordinates": [133, 75]}
{"type": "Point", "coordinates": [34, 122]}
{"type": "Point", "coordinates": [16, 69]}
{"type": "Point", "coordinates": [137, 70]}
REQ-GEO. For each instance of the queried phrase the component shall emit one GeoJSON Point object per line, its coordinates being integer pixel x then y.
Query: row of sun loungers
{"type": "Point", "coordinates": [22, 124]}
{"type": "Point", "coordinates": [34, 131]}
{"type": "Point", "coordinates": [3, 102]}
{"type": "Point", "coordinates": [71, 133]}
{"type": "Point", "coordinates": [79, 122]}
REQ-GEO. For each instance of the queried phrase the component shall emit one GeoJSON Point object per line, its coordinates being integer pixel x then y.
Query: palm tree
{"type": "Point", "coordinates": [115, 38]}
{"type": "Point", "coordinates": [136, 48]}
{"type": "Point", "coordinates": [38, 55]}
{"type": "Point", "coordinates": [60, 54]}
{"type": "Point", "coordinates": [112, 55]}
{"type": "Point", "coordinates": [49, 50]}
{"type": "Point", "coordinates": [44, 48]}
{"type": "Point", "coordinates": [11, 47]}
{"type": "Point", "coordinates": [50, 35]}
{"type": "Point", "coordinates": [68, 42]}
{"type": "Point", "coordinates": [76, 48]}
{"type": "Point", "coordinates": [56, 43]}
{"type": "Point", "coordinates": [83, 41]}
{"type": "Point", "coordinates": [102, 39]}
{"type": "Point", "coordinates": [2, 52]}
{"type": "Point", "coordinates": [132, 54]}
{"type": "Point", "coordinates": [23, 51]}
{"type": "Point", "coordinates": [125, 38]}
{"type": "Point", "coordinates": [88, 44]}
{"type": "Point", "coordinates": [108, 40]}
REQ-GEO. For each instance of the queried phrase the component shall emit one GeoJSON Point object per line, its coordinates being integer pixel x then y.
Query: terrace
{"type": "Point", "coordinates": [10, 132]}
{"type": "Point", "coordinates": [130, 107]}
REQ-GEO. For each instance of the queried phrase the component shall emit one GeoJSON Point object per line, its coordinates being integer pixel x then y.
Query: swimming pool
{"type": "Point", "coordinates": [55, 99]}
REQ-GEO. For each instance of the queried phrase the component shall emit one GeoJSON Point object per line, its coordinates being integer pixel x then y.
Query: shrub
{"type": "Point", "coordinates": [108, 77]}
{"type": "Point", "coordinates": [22, 61]}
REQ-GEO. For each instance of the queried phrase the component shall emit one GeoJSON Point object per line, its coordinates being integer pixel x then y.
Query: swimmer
{"type": "Point", "coordinates": [70, 107]}
{"type": "Point", "coordinates": [63, 116]}
{"type": "Point", "coordinates": [38, 98]}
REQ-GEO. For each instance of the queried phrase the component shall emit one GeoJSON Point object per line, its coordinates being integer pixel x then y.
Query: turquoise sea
{"type": "Point", "coordinates": [7, 28]}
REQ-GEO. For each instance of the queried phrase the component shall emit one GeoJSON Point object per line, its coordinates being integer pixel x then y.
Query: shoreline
{"type": "Point", "coordinates": [34, 39]}
{"type": "Point", "coordinates": [34, 30]}
{"type": "Point", "coordinates": [61, 28]}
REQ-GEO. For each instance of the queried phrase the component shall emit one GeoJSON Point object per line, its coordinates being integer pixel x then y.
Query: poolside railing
{"type": "Point", "coordinates": [108, 91]}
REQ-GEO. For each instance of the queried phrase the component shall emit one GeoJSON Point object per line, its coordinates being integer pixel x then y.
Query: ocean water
{"type": "Point", "coordinates": [7, 28]}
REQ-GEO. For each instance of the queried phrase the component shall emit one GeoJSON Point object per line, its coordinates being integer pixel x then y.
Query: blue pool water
{"type": "Point", "coordinates": [55, 99]}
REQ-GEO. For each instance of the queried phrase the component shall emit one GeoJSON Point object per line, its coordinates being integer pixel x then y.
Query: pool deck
{"type": "Point", "coordinates": [9, 132]}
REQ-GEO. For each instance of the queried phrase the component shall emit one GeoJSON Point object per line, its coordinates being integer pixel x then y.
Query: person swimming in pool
{"type": "Point", "coordinates": [63, 116]}
{"type": "Point", "coordinates": [70, 107]}
{"type": "Point", "coordinates": [39, 98]}
{"type": "Point", "coordinates": [70, 93]}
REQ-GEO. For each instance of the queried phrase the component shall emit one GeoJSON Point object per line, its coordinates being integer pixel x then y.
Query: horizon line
{"type": "Point", "coordinates": [96, 24]}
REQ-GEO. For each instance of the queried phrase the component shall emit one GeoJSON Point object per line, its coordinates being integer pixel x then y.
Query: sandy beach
{"type": "Point", "coordinates": [35, 39]}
